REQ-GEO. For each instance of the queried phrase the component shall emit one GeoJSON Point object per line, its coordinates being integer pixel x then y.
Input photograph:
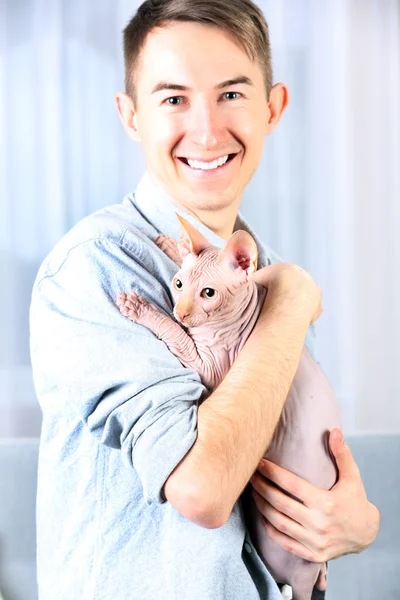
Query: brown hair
{"type": "Point", "coordinates": [241, 18]}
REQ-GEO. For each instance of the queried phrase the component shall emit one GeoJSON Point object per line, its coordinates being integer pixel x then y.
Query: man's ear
{"type": "Point", "coordinates": [240, 253]}
{"type": "Point", "coordinates": [128, 115]}
{"type": "Point", "coordinates": [277, 104]}
{"type": "Point", "coordinates": [191, 240]}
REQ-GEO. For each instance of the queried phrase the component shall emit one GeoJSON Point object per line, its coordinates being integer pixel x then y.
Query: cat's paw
{"type": "Point", "coordinates": [170, 247]}
{"type": "Point", "coordinates": [133, 306]}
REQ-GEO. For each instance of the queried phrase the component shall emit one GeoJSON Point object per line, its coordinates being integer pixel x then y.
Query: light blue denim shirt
{"type": "Point", "coordinates": [119, 414]}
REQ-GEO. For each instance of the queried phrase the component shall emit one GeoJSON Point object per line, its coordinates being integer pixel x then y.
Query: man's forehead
{"type": "Point", "coordinates": [159, 65]}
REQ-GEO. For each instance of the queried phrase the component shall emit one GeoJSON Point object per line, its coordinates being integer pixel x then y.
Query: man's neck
{"type": "Point", "coordinates": [221, 222]}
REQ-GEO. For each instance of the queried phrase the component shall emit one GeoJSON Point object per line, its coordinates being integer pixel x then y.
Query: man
{"type": "Point", "coordinates": [140, 473]}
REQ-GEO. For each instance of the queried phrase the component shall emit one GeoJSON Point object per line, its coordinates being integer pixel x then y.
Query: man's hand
{"type": "Point", "coordinates": [328, 524]}
{"type": "Point", "coordinates": [291, 289]}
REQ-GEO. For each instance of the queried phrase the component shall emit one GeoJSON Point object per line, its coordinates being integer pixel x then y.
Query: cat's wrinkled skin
{"type": "Point", "coordinates": [217, 329]}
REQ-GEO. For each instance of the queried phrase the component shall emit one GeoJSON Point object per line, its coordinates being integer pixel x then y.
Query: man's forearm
{"type": "Point", "coordinates": [237, 421]}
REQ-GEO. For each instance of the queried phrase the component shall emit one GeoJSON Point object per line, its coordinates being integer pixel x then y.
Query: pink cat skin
{"type": "Point", "coordinates": [219, 305]}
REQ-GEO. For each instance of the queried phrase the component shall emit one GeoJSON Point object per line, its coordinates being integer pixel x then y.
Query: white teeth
{"type": "Point", "coordinates": [195, 164]}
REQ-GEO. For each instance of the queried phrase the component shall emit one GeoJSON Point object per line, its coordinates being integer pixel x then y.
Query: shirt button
{"type": "Point", "coordinates": [247, 548]}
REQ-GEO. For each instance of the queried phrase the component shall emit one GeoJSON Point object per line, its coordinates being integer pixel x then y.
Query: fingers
{"type": "Point", "coordinates": [321, 583]}
{"type": "Point", "coordinates": [121, 299]}
{"type": "Point", "coordinates": [291, 483]}
{"type": "Point", "coordinates": [279, 501]}
{"type": "Point", "coordinates": [280, 521]}
{"type": "Point", "coordinates": [307, 542]}
{"type": "Point", "coordinates": [288, 543]}
{"type": "Point", "coordinates": [344, 459]}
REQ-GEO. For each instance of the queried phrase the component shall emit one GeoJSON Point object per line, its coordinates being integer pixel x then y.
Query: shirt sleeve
{"type": "Point", "coordinates": [93, 365]}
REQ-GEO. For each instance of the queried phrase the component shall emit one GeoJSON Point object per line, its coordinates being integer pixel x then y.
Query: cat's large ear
{"type": "Point", "coordinates": [240, 252]}
{"type": "Point", "coordinates": [191, 240]}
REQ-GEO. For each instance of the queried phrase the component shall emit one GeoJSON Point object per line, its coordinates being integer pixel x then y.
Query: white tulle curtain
{"type": "Point", "coordinates": [326, 194]}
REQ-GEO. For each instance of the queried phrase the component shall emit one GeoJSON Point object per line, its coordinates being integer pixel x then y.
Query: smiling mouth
{"type": "Point", "coordinates": [196, 164]}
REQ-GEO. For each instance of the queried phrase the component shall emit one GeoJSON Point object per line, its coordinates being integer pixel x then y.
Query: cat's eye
{"type": "Point", "coordinates": [178, 284]}
{"type": "Point", "coordinates": [208, 293]}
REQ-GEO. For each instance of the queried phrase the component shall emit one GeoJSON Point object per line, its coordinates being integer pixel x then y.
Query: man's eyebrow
{"type": "Point", "coordinates": [164, 85]}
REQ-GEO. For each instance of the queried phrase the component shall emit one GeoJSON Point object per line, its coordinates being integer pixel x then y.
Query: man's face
{"type": "Point", "coordinates": [205, 122]}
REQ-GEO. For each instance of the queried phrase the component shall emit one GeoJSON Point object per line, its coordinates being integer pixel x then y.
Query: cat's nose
{"type": "Point", "coordinates": [182, 314]}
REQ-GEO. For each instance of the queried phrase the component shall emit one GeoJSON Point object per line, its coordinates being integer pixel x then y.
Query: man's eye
{"type": "Point", "coordinates": [178, 284]}
{"type": "Point", "coordinates": [237, 94]}
{"type": "Point", "coordinates": [174, 98]}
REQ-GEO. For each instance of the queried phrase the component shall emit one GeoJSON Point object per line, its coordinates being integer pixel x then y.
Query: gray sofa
{"type": "Point", "coordinates": [371, 575]}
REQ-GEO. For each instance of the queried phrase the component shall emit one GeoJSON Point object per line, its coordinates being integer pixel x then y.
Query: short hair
{"type": "Point", "coordinates": [241, 18]}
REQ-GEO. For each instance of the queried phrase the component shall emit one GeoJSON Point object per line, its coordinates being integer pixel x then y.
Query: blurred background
{"type": "Point", "coordinates": [326, 194]}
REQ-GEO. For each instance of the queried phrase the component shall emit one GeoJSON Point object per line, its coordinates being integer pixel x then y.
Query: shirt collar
{"type": "Point", "coordinates": [159, 209]}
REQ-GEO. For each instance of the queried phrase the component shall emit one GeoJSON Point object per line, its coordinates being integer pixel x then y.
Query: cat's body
{"type": "Point", "coordinates": [217, 330]}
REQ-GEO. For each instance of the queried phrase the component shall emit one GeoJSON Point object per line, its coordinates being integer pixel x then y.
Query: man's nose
{"type": "Point", "coordinates": [205, 125]}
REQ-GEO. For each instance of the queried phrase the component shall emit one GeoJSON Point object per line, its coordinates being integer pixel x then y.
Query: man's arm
{"type": "Point", "coordinates": [236, 423]}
